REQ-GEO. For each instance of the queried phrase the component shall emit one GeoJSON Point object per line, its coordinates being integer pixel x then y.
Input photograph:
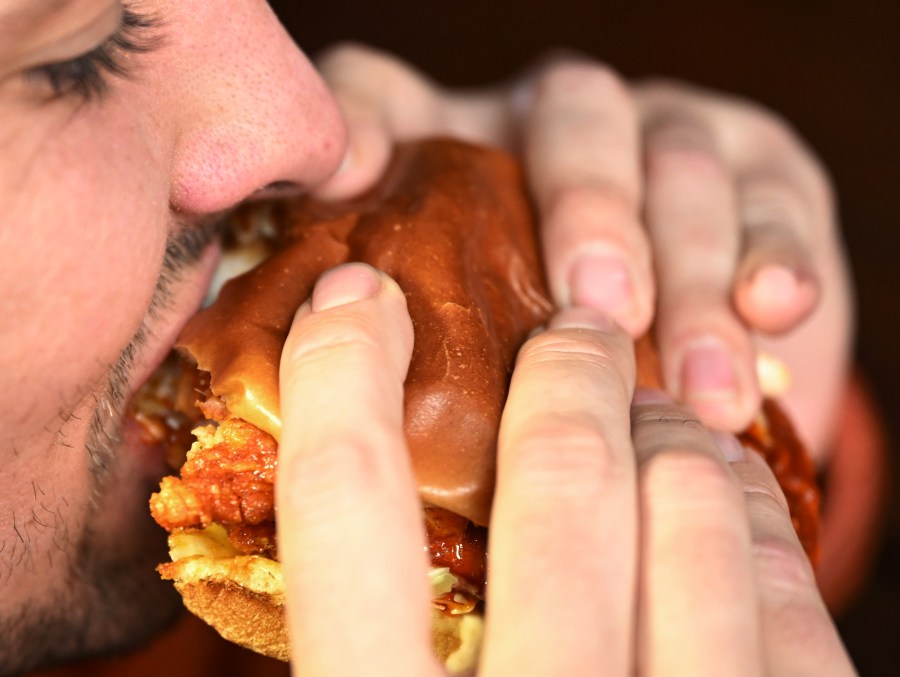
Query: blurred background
{"type": "Point", "coordinates": [831, 67]}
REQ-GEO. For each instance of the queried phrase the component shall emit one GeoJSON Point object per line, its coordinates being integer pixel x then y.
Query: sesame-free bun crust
{"type": "Point", "coordinates": [242, 597]}
{"type": "Point", "coordinates": [252, 619]}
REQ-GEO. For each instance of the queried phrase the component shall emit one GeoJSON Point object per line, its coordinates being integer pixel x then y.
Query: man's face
{"type": "Point", "coordinates": [109, 197]}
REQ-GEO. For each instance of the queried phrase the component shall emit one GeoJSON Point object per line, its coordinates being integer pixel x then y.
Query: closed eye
{"type": "Point", "coordinates": [87, 76]}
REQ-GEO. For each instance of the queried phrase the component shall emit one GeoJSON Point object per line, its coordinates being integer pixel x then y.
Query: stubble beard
{"type": "Point", "coordinates": [106, 598]}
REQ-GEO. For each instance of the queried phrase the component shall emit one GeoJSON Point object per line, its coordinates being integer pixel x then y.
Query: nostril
{"type": "Point", "coordinates": [277, 189]}
{"type": "Point", "coordinates": [282, 186]}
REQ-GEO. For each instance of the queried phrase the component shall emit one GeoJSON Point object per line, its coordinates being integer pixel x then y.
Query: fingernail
{"type": "Point", "coordinates": [708, 372]}
{"type": "Point", "coordinates": [774, 282]}
{"type": "Point", "coordinates": [345, 284]}
{"type": "Point", "coordinates": [582, 318]}
{"type": "Point", "coordinates": [601, 282]}
{"type": "Point", "coordinates": [731, 448]}
{"type": "Point", "coordinates": [651, 396]}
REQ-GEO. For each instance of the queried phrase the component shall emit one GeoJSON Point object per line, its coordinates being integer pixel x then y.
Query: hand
{"type": "Point", "coordinates": [748, 253]}
{"type": "Point", "coordinates": [607, 557]}
{"type": "Point", "coordinates": [711, 203]}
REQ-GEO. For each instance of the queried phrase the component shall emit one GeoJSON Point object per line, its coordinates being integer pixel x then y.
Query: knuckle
{"type": "Point", "coordinates": [773, 136]}
{"type": "Point", "coordinates": [346, 55]}
{"type": "Point", "coordinates": [767, 131]}
{"type": "Point", "coordinates": [774, 208]}
{"type": "Point", "coordinates": [703, 482]}
{"type": "Point", "coordinates": [337, 339]}
{"type": "Point", "coordinates": [576, 347]}
{"type": "Point", "coordinates": [574, 76]}
{"type": "Point", "coordinates": [660, 88]}
{"type": "Point", "coordinates": [766, 496]}
{"type": "Point", "coordinates": [598, 202]}
{"type": "Point", "coordinates": [567, 458]}
{"type": "Point", "coordinates": [676, 149]}
{"type": "Point", "coordinates": [821, 190]}
{"type": "Point", "coordinates": [804, 188]}
{"type": "Point", "coordinates": [782, 565]}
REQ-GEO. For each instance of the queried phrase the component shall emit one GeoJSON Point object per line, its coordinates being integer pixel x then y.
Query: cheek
{"type": "Point", "coordinates": [88, 214]}
{"type": "Point", "coordinates": [45, 493]}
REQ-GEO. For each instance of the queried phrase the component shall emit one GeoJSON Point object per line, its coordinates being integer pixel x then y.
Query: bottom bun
{"type": "Point", "coordinates": [242, 597]}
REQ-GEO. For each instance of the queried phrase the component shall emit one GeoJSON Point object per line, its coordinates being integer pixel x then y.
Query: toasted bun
{"type": "Point", "coordinates": [450, 222]}
{"type": "Point", "coordinates": [233, 597]}
{"type": "Point", "coordinates": [242, 597]}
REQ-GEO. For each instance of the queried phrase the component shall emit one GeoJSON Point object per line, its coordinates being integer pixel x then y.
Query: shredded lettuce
{"type": "Point", "coordinates": [442, 581]}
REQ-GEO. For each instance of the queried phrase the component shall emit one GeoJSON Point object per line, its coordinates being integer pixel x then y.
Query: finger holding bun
{"type": "Point", "coordinates": [561, 595]}
{"type": "Point", "coordinates": [718, 550]}
{"type": "Point", "coordinates": [649, 195]}
{"type": "Point", "coordinates": [574, 123]}
{"type": "Point", "coordinates": [349, 522]}
{"type": "Point", "coordinates": [797, 631]}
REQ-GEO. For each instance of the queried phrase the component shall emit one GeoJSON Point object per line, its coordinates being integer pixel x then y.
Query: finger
{"type": "Point", "coordinates": [369, 86]}
{"type": "Point", "coordinates": [785, 216]}
{"type": "Point", "coordinates": [692, 217]}
{"type": "Point", "coordinates": [776, 286]}
{"type": "Point", "coordinates": [697, 609]}
{"type": "Point", "coordinates": [580, 136]}
{"type": "Point", "coordinates": [349, 524]}
{"type": "Point", "coordinates": [799, 637]}
{"type": "Point", "coordinates": [791, 225]}
{"type": "Point", "coordinates": [790, 255]}
{"type": "Point", "coordinates": [562, 550]}
{"type": "Point", "coordinates": [385, 101]}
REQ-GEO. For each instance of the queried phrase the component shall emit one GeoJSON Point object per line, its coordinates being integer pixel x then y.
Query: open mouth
{"type": "Point", "coordinates": [164, 411]}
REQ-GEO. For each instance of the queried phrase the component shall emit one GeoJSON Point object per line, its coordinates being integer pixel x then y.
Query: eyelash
{"type": "Point", "coordinates": [87, 76]}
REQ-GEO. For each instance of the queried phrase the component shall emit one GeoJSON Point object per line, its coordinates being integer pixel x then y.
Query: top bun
{"type": "Point", "coordinates": [449, 223]}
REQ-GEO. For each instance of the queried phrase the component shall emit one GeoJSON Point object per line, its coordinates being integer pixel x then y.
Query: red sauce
{"type": "Point", "coordinates": [254, 539]}
{"type": "Point", "coordinates": [458, 544]}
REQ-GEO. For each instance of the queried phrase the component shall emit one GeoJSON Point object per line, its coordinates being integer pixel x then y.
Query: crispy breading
{"type": "Point", "coordinates": [228, 478]}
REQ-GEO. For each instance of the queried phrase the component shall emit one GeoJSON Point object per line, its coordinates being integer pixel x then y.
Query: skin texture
{"type": "Point", "coordinates": [711, 582]}
{"type": "Point", "coordinates": [225, 108]}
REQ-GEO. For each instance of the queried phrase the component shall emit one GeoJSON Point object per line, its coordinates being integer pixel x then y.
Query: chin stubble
{"type": "Point", "coordinates": [105, 596]}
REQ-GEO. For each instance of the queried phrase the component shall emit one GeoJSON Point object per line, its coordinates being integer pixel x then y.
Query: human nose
{"type": "Point", "coordinates": [253, 113]}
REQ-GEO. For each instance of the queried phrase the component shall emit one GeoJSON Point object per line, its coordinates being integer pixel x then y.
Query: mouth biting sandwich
{"type": "Point", "coordinates": [451, 223]}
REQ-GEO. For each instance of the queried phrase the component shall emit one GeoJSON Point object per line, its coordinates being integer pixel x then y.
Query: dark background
{"type": "Point", "coordinates": [831, 68]}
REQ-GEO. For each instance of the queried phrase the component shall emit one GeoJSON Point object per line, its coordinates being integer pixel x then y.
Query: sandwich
{"type": "Point", "coordinates": [452, 224]}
